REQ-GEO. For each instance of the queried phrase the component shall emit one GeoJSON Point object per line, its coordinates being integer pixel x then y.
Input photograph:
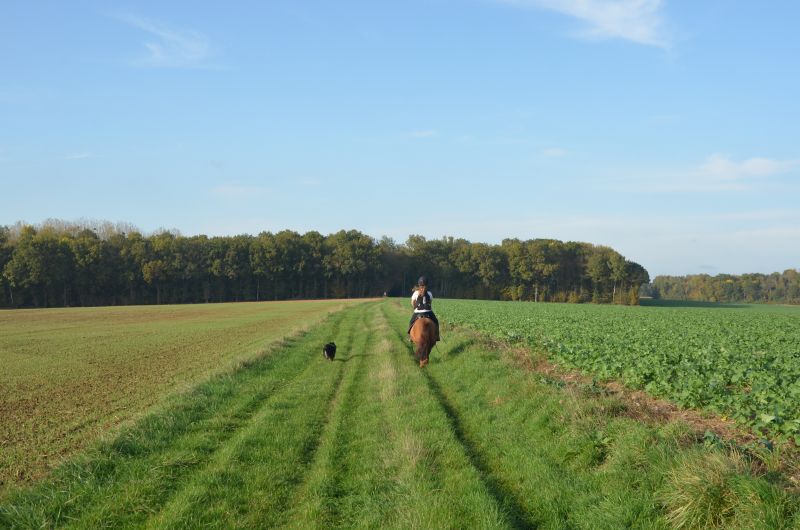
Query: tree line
{"type": "Point", "coordinates": [59, 263]}
{"type": "Point", "coordinates": [752, 288]}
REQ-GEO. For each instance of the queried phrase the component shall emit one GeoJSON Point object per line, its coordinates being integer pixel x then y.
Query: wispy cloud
{"type": "Point", "coordinates": [717, 173]}
{"type": "Point", "coordinates": [668, 243]}
{"type": "Point", "coordinates": [77, 156]}
{"type": "Point", "coordinates": [169, 47]}
{"type": "Point", "coordinates": [423, 134]}
{"type": "Point", "coordinates": [638, 21]}
{"type": "Point", "coordinates": [721, 167]}
{"type": "Point", "coordinates": [776, 214]}
{"type": "Point", "coordinates": [554, 152]}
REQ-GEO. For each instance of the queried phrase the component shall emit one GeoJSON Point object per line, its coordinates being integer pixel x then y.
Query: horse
{"type": "Point", "coordinates": [423, 334]}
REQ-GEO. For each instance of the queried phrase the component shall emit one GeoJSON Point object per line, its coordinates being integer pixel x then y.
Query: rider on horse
{"type": "Point", "coordinates": [421, 301]}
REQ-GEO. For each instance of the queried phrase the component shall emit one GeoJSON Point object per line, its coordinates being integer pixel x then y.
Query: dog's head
{"type": "Point", "coordinates": [329, 351]}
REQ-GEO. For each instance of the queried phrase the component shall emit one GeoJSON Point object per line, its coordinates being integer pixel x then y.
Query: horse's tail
{"type": "Point", "coordinates": [422, 350]}
{"type": "Point", "coordinates": [425, 339]}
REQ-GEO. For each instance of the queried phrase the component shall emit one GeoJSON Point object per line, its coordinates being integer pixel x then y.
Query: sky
{"type": "Point", "coordinates": [667, 129]}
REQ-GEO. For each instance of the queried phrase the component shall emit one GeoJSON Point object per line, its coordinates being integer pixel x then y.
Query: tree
{"type": "Point", "coordinates": [598, 269]}
{"type": "Point", "coordinates": [236, 265]}
{"type": "Point", "coordinates": [521, 269]}
{"type": "Point", "coordinates": [491, 268]}
{"type": "Point", "coordinates": [133, 252]}
{"type": "Point", "coordinates": [6, 295]}
{"type": "Point", "coordinates": [86, 262]}
{"type": "Point", "coordinates": [292, 262]}
{"type": "Point", "coordinates": [87, 253]}
{"type": "Point", "coordinates": [158, 267]}
{"type": "Point", "coordinates": [262, 260]}
{"type": "Point", "coordinates": [41, 264]}
{"type": "Point", "coordinates": [352, 258]}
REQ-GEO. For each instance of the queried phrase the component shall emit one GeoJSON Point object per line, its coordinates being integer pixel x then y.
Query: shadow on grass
{"type": "Point", "coordinates": [649, 302]}
{"type": "Point", "coordinates": [518, 517]}
{"type": "Point", "coordinates": [459, 348]}
{"type": "Point", "coordinates": [347, 359]}
{"type": "Point", "coordinates": [505, 499]}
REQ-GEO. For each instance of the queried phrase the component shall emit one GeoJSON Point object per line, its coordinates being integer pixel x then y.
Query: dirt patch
{"type": "Point", "coordinates": [639, 405]}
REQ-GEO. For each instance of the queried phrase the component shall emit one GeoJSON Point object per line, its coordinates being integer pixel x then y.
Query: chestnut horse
{"type": "Point", "coordinates": [423, 334]}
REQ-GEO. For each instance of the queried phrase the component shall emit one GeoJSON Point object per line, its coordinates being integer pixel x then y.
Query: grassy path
{"type": "Point", "coordinates": [370, 440]}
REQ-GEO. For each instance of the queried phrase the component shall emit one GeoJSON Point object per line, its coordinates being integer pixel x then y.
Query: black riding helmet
{"type": "Point", "coordinates": [423, 281]}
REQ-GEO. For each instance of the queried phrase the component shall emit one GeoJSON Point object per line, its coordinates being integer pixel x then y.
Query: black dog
{"type": "Point", "coordinates": [329, 351]}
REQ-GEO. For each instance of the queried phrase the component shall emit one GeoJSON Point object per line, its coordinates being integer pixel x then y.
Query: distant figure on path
{"type": "Point", "coordinates": [421, 301]}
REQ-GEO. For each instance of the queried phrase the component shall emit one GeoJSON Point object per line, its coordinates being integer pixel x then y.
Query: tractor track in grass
{"type": "Point", "coordinates": [235, 445]}
{"type": "Point", "coordinates": [505, 499]}
{"type": "Point", "coordinates": [323, 484]}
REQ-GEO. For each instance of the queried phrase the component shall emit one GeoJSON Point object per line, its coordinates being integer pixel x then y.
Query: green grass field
{"type": "Point", "coordinates": [69, 375]}
{"type": "Point", "coordinates": [370, 440]}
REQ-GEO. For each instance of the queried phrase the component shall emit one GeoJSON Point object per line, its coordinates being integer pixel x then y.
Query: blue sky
{"type": "Point", "coordinates": [667, 130]}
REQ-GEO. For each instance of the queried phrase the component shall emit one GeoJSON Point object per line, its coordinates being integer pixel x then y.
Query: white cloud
{"type": "Point", "coordinates": [637, 21]}
{"type": "Point", "coordinates": [720, 167]}
{"type": "Point", "coordinates": [554, 152]}
{"type": "Point", "coordinates": [678, 243]}
{"type": "Point", "coordinates": [423, 134]}
{"type": "Point", "coordinates": [170, 47]}
{"type": "Point", "coordinates": [775, 215]}
{"type": "Point", "coordinates": [717, 173]}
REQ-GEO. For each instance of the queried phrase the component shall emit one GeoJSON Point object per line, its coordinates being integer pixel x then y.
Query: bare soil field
{"type": "Point", "coordinates": [68, 375]}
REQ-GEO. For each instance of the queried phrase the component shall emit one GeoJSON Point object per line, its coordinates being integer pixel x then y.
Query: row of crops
{"type": "Point", "coordinates": [739, 361]}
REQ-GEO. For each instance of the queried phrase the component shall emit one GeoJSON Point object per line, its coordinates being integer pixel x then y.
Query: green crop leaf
{"type": "Point", "coordinates": [740, 363]}
{"type": "Point", "coordinates": [766, 418]}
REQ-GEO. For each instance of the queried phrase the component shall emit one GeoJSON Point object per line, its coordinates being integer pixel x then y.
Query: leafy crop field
{"type": "Point", "coordinates": [67, 375]}
{"type": "Point", "coordinates": [742, 362]}
{"type": "Point", "coordinates": [370, 440]}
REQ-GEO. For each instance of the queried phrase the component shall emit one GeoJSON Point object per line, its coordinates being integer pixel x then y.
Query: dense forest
{"type": "Point", "coordinates": [759, 288]}
{"type": "Point", "coordinates": [59, 263]}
